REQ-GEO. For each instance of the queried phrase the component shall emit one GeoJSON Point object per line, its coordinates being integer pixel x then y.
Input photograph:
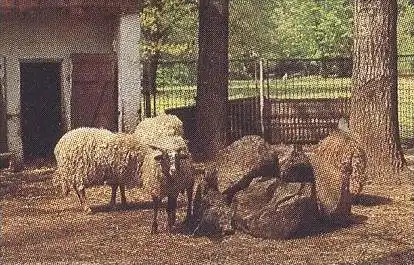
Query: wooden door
{"type": "Point", "coordinates": [94, 91]}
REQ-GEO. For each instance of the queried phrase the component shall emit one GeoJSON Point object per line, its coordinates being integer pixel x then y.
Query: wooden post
{"type": "Point", "coordinates": [261, 96]}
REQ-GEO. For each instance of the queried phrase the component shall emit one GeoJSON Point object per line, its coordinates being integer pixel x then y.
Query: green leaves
{"type": "Point", "coordinates": [169, 28]}
{"type": "Point", "coordinates": [271, 28]}
{"type": "Point", "coordinates": [311, 28]}
{"type": "Point", "coordinates": [290, 28]}
{"type": "Point", "coordinates": [251, 28]}
{"type": "Point", "coordinates": [405, 27]}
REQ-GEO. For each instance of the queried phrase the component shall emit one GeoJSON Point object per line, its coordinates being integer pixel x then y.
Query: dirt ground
{"type": "Point", "coordinates": [40, 226]}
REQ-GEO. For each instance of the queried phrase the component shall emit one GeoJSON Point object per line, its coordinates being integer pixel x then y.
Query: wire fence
{"type": "Point", "coordinates": [283, 79]}
{"type": "Point", "coordinates": [406, 96]}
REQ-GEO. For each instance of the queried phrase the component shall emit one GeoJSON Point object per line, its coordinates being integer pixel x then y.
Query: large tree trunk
{"type": "Point", "coordinates": [212, 89]}
{"type": "Point", "coordinates": [374, 103]}
{"type": "Point", "coordinates": [149, 78]}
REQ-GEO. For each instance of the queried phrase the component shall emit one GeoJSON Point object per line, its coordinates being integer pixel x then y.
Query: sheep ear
{"type": "Point", "coordinates": [158, 155]}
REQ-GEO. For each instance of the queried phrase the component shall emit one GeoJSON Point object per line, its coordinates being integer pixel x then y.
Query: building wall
{"type": "Point", "coordinates": [3, 127]}
{"type": "Point", "coordinates": [129, 69]}
{"type": "Point", "coordinates": [48, 35]}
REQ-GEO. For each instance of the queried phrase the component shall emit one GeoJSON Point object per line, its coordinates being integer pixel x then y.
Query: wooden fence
{"type": "Point", "coordinates": [244, 119]}
{"type": "Point", "coordinates": [299, 121]}
{"type": "Point", "coordinates": [303, 121]}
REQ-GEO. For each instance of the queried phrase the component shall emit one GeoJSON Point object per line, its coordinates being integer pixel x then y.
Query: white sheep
{"type": "Point", "coordinates": [160, 164]}
{"type": "Point", "coordinates": [168, 167]}
{"type": "Point", "coordinates": [91, 157]}
{"type": "Point", "coordinates": [151, 129]}
{"type": "Point", "coordinates": [167, 171]}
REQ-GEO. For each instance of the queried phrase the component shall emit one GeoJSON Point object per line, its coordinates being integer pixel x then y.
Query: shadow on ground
{"type": "Point", "coordinates": [370, 200]}
{"type": "Point", "coordinates": [132, 206]}
{"type": "Point", "coordinates": [326, 227]}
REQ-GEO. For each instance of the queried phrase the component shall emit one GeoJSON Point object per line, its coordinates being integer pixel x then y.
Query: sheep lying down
{"type": "Point", "coordinates": [89, 157]}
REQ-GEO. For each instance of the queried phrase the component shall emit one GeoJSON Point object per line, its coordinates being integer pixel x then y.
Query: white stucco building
{"type": "Point", "coordinates": [66, 64]}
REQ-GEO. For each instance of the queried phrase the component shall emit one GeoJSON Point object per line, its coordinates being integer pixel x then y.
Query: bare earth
{"type": "Point", "coordinates": [39, 226]}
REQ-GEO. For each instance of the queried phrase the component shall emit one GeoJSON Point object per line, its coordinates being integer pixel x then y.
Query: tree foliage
{"type": "Point", "coordinates": [272, 28]}
{"type": "Point", "coordinates": [290, 28]}
{"type": "Point", "coordinates": [252, 26]}
{"type": "Point", "coordinates": [169, 28]}
{"type": "Point", "coordinates": [405, 27]}
{"type": "Point", "coordinates": [312, 28]}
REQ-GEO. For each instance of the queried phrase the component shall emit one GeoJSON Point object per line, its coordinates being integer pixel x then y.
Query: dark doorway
{"type": "Point", "coordinates": [40, 108]}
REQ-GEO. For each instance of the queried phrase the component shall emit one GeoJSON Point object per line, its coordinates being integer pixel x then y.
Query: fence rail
{"type": "Point", "coordinates": [243, 119]}
{"type": "Point", "coordinates": [303, 120]}
{"type": "Point", "coordinates": [290, 84]}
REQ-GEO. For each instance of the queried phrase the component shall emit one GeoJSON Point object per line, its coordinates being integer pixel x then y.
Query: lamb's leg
{"type": "Point", "coordinates": [113, 196]}
{"type": "Point", "coordinates": [82, 198]}
{"type": "Point", "coordinates": [243, 183]}
{"type": "Point", "coordinates": [171, 211]}
{"type": "Point", "coordinates": [157, 203]}
{"type": "Point", "coordinates": [123, 198]}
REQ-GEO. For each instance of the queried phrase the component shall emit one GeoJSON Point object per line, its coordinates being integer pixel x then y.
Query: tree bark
{"type": "Point", "coordinates": [152, 37]}
{"type": "Point", "coordinates": [374, 102]}
{"type": "Point", "coordinates": [149, 77]}
{"type": "Point", "coordinates": [212, 88]}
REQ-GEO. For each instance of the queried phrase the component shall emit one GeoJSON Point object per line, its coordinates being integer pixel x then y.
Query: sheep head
{"type": "Point", "coordinates": [169, 159]}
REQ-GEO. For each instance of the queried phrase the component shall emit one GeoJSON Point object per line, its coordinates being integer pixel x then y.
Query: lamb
{"type": "Point", "coordinates": [212, 213]}
{"type": "Point", "coordinates": [167, 171]}
{"type": "Point", "coordinates": [295, 165]}
{"type": "Point", "coordinates": [168, 168]}
{"type": "Point", "coordinates": [92, 157]}
{"type": "Point", "coordinates": [242, 161]}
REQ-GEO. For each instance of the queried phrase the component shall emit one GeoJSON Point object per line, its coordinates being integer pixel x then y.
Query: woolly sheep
{"type": "Point", "coordinates": [168, 170]}
{"type": "Point", "coordinates": [91, 157]}
{"type": "Point", "coordinates": [151, 129]}
{"type": "Point", "coordinates": [341, 151]}
{"type": "Point", "coordinates": [165, 134]}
